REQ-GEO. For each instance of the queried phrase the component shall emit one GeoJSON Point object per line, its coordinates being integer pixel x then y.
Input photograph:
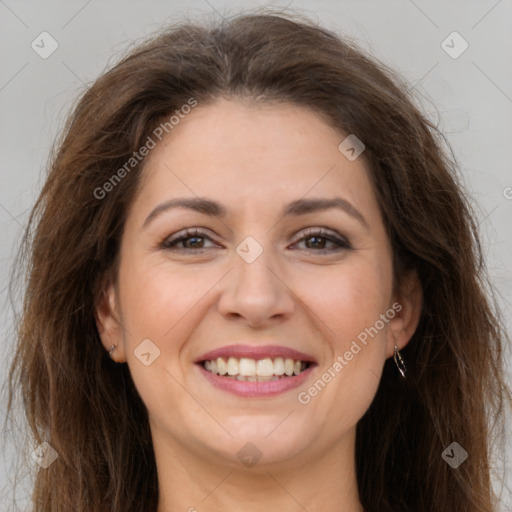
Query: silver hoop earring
{"type": "Point", "coordinates": [400, 362]}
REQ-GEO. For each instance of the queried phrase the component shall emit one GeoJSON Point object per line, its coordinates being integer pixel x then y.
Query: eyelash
{"type": "Point", "coordinates": [342, 243]}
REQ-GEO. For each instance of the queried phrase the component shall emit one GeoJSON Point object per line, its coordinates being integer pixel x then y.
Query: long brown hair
{"type": "Point", "coordinates": [87, 408]}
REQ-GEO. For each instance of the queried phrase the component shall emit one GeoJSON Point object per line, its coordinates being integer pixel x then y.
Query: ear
{"type": "Point", "coordinates": [108, 320]}
{"type": "Point", "coordinates": [407, 306]}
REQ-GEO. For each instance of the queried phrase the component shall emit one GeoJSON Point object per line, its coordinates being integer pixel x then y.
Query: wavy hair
{"type": "Point", "coordinates": [87, 407]}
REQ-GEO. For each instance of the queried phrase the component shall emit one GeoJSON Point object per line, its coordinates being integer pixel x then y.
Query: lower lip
{"type": "Point", "coordinates": [256, 389]}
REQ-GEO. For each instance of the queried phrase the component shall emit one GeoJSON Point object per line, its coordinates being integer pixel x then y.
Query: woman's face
{"type": "Point", "coordinates": [268, 272]}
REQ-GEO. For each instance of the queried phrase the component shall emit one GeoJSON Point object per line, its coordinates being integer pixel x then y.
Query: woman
{"type": "Point", "coordinates": [262, 231]}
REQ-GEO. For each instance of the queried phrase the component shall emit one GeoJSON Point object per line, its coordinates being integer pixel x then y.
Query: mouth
{"type": "Point", "coordinates": [246, 369]}
{"type": "Point", "coordinates": [250, 371]}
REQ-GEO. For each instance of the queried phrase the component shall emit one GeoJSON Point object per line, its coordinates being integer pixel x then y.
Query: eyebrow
{"type": "Point", "coordinates": [298, 207]}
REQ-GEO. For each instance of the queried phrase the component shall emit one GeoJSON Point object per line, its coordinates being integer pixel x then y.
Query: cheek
{"type": "Point", "coordinates": [349, 304]}
{"type": "Point", "coordinates": [156, 298]}
{"type": "Point", "coordinates": [348, 299]}
{"type": "Point", "coordinates": [162, 306]}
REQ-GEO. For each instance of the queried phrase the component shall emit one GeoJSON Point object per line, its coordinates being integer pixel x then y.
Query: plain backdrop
{"type": "Point", "coordinates": [468, 95]}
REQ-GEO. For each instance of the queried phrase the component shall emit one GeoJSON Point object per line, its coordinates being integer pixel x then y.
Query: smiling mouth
{"type": "Point", "coordinates": [255, 370]}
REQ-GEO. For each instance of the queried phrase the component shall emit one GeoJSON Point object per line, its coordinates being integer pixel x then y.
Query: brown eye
{"type": "Point", "coordinates": [191, 239]}
{"type": "Point", "coordinates": [318, 239]}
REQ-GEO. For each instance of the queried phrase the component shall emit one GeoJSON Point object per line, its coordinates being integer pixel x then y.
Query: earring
{"type": "Point", "coordinates": [400, 362]}
{"type": "Point", "coordinates": [111, 350]}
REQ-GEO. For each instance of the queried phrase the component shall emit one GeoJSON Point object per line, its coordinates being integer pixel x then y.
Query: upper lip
{"type": "Point", "coordinates": [255, 352]}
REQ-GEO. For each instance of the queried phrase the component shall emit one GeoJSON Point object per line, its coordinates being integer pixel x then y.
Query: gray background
{"type": "Point", "coordinates": [469, 96]}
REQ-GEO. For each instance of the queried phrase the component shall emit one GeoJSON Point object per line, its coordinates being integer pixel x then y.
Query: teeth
{"type": "Point", "coordinates": [254, 378]}
{"type": "Point", "coordinates": [222, 366]}
{"type": "Point", "coordinates": [265, 378]}
{"type": "Point", "coordinates": [248, 367]}
{"type": "Point", "coordinates": [251, 370]}
{"type": "Point", "coordinates": [265, 367]}
{"type": "Point", "coordinates": [278, 366]}
{"type": "Point", "coordinates": [232, 366]}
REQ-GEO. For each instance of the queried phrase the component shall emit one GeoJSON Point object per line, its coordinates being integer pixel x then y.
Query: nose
{"type": "Point", "coordinates": [257, 292]}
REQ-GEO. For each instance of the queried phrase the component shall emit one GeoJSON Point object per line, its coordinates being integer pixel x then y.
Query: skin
{"type": "Point", "coordinates": [254, 160]}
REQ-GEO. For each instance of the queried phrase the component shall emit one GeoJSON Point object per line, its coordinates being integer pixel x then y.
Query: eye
{"type": "Point", "coordinates": [320, 237]}
{"type": "Point", "coordinates": [191, 238]}
{"type": "Point", "coordinates": [315, 239]}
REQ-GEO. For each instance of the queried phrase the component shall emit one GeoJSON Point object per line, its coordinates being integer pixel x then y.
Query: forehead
{"type": "Point", "coordinates": [262, 154]}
